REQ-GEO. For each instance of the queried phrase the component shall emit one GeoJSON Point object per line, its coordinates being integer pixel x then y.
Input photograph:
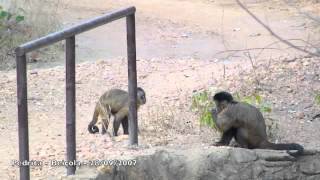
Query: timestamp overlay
{"type": "Point", "coordinates": [54, 163]}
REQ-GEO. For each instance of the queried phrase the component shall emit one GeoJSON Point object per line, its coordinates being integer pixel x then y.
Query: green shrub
{"type": "Point", "coordinates": [22, 21]}
{"type": "Point", "coordinates": [8, 25]}
{"type": "Point", "coordinates": [255, 100]}
{"type": "Point", "coordinates": [6, 16]}
{"type": "Point", "coordinates": [202, 105]}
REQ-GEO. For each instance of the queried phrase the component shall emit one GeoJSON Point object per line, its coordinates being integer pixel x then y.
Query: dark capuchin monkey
{"type": "Point", "coordinates": [114, 102]}
{"type": "Point", "coordinates": [246, 124]}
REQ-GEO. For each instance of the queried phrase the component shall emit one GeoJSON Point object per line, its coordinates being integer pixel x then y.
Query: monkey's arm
{"type": "Point", "coordinates": [225, 122]}
{"type": "Point", "coordinates": [226, 137]}
{"type": "Point", "coordinates": [125, 125]}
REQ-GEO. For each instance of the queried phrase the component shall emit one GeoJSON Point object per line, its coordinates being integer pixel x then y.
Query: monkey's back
{"type": "Point", "coordinates": [115, 98]}
{"type": "Point", "coordinates": [249, 117]}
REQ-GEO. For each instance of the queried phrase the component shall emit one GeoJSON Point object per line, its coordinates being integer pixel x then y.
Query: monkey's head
{"type": "Point", "coordinates": [223, 96]}
{"type": "Point", "coordinates": [141, 95]}
{"type": "Point", "coordinates": [222, 99]}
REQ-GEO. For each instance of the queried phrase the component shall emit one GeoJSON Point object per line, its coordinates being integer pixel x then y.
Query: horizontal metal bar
{"type": "Point", "coordinates": [72, 31]}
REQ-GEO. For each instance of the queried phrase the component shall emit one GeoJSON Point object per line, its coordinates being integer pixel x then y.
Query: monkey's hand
{"type": "Point", "coordinates": [214, 114]}
{"type": "Point", "coordinates": [219, 143]}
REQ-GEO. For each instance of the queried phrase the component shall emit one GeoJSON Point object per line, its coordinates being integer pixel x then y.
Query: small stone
{"type": "Point", "coordinates": [306, 63]}
{"type": "Point", "coordinates": [184, 35]}
{"type": "Point", "coordinates": [291, 111]}
{"type": "Point", "coordinates": [300, 115]}
{"type": "Point", "coordinates": [311, 167]}
{"type": "Point", "coordinates": [236, 29]}
{"type": "Point", "coordinates": [104, 169]}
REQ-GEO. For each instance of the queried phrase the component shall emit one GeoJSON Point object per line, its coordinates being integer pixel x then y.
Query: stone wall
{"type": "Point", "coordinates": [214, 163]}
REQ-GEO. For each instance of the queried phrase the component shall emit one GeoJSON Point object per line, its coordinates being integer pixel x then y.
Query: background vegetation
{"type": "Point", "coordinates": [21, 21]}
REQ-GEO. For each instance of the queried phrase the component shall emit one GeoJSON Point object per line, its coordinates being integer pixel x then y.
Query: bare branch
{"type": "Point", "coordinates": [273, 33]}
{"type": "Point", "coordinates": [312, 17]}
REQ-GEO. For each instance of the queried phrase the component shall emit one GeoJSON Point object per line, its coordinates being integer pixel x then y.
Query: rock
{"type": "Point", "coordinates": [236, 29]}
{"type": "Point", "coordinates": [104, 169]}
{"type": "Point", "coordinates": [277, 163]}
{"type": "Point", "coordinates": [214, 163]}
{"type": "Point", "coordinates": [306, 63]}
{"type": "Point", "coordinates": [289, 90]}
{"type": "Point", "coordinates": [255, 34]}
{"type": "Point", "coordinates": [34, 73]}
{"type": "Point", "coordinates": [300, 115]}
{"type": "Point", "coordinates": [291, 111]}
{"type": "Point", "coordinates": [311, 167]}
{"type": "Point", "coordinates": [243, 155]}
{"type": "Point", "coordinates": [315, 177]}
{"type": "Point", "coordinates": [184, 35]}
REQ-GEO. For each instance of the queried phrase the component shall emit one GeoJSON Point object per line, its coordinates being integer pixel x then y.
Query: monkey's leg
{"type": "Point", "coordinates": [125, 125]}
{"type": "Point", "coordinates": [105, 117]}
{"type": "Point", "coordinates": [226, 137]}
{"type": "Point", "coordinates": [105, 124]}
{"type": "Point", "coordinates": [118, 118]}
{"type": "Point", "coordinates": [241, 138]}
{"type": "Point", "coordinates": [116, 125]}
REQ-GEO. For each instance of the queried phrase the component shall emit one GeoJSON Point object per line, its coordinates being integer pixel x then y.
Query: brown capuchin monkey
{"type": "Point", "coordinates": [114, 102]}
{"type": "Point", "coordinates": [246, 124]}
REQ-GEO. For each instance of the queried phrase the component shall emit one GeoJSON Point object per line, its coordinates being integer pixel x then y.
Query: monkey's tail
{"type": "Point", "coordinates": [92, 128]}
{"type": "Point", "coordinates": [289, 146]}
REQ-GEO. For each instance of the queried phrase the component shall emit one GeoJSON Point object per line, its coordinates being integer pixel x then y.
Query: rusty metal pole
{"type": "Point", "coordinates": [132, 79]}
{"type": "Point", "coordinates": [23, 115]}
{"type": "Point", "coordinates": [70, 103]}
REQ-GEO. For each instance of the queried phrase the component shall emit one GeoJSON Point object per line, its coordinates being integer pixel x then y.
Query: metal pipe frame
{"type": "Point", "coordinates": [69, 35]}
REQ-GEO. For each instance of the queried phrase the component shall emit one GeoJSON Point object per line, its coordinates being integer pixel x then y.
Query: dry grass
{"type": "Point", "coordinates": [163, 123]}
{"type": "Point", "coordinates": [40, 18]}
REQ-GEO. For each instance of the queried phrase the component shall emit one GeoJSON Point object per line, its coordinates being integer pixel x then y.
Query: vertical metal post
{"type": "Point", "coordinates": [70, 103]}
{"type": "Point", "coordinates": [23, 115]}
{"type": "Point", "coordinates": [132, 78]}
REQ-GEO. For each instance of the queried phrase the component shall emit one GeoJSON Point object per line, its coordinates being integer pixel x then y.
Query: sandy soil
{"type": "Point", "coordinates": [178, 54]}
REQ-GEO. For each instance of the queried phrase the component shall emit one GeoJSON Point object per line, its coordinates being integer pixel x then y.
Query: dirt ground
{"type": "Point", "coordinates": [182, 46]}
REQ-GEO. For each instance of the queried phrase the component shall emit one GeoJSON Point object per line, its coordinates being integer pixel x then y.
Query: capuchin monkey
{"type": "Point", "coordinates": [246, 124]}
{"type": "Point", "coordinates": [114, 102]}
